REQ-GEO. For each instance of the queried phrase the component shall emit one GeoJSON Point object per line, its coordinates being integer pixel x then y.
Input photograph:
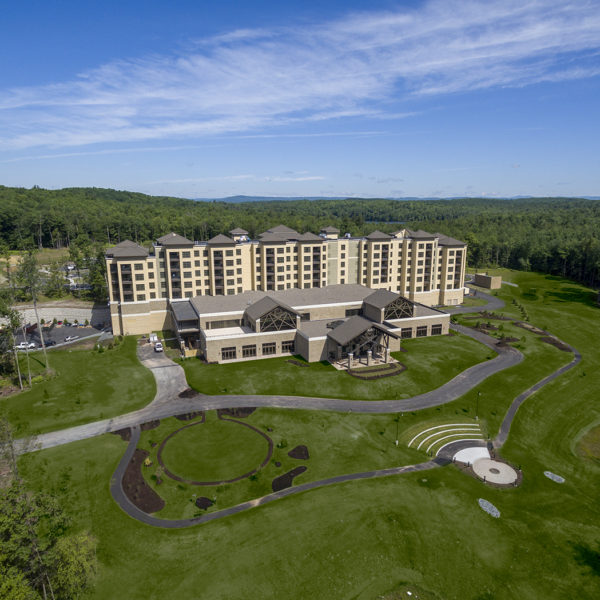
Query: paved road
{"type": "Point", "coordinates": [116, 489]}
{"type": "Point", "coordinates": [170, 381]}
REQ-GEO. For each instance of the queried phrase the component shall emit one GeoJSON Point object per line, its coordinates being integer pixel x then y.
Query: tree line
{"type": "Point", "coordinates": [552, 235]}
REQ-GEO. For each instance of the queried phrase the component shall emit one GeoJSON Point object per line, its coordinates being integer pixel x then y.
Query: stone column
{"type": "Point", "coordinates": [387, 355]}
{"type": "Point", "coordinates": [369, 357]}
{"type": "Point", "coordinates": [350, 357]}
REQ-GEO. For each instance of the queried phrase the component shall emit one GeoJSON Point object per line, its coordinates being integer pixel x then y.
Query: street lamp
{"type": "Point", "coordinates": [477, 407]}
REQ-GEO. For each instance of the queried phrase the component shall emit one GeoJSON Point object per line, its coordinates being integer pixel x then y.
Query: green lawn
{"type": "Point", "coordinates": [87, 386]}
{"type": "Point", "coordinates": [216, 450]}
{"type": "Point", "coordinates": [362, 540]}
{"type": "Point", "coordinates": [430, 362]}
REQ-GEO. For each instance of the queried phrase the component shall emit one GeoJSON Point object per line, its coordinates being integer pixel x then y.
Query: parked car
{"type": "Point", "coordinates": [21, 346]}
{"type": "Point", "coordinates": [50, 343]}
{"type": "Point", "coordinates": [70, 338]}
{"type": "Point", "coordinates": [158, 347]}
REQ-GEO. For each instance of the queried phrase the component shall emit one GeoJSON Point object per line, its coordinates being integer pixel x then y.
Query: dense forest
{"type": "Point", "coordinates": [552, 235]}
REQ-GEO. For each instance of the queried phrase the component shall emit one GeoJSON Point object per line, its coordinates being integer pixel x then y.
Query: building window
{"type": "Point", "coordinates": [436, 330]}
{"type": "Point", "coordinates": [269, 348]}
{"type": "Point", "coordinates": [422, 331]}
{"type": "Point", "coordinates": [139, 287]}
{"type": "Point", "coordinates": [288, 346]}
{"type": "Point", "coordinates": [406, 333]}
{"type": "Point", "coordinates": [248, 351]}
{"type": "Point", "coordinates": [228, 252]}
{"type": "Point", "coordinates": [141, 297]}
{"type": "Point", "coordinates": [138, 267]}
{"type": "Point", "coordinates": [228, 353]}
{"type": "Point", "coordinates": [185, 254]}
{"type": "Point", "coordinates": [139, 277]}
{"type": "Point", "coordinates": [187, 264]}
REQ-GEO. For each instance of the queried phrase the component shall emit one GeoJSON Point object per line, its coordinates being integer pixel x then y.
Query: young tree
{"type": "Point", "coordinates": [9, 356]}
{"type": "Point", "coordinates": [55, 285]}
{"type": "Point", "coordinates": [28, 275]}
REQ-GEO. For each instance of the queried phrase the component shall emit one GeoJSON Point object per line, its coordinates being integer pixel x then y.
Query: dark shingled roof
{"type": "Point", "coordinates": [263, 306]}
{"type": "Point", "coordinates": [381, 298]}
{"type": "Point", "coordinates": [350, 329]}
{"type": "Point", "coordinates": [221, 240]}
{"type": "Point", "coordinates": [420, 235]}
{"type": "Point", "coordinates": [127, 249]}
{"type": "Point", "coordinates": [281, 229]}
{"type": "Point", "coordinates": [174, 239]}
{"type": "Point", "coordinates": [310, 237]}
{"type": "Point", "coordinates": [330, 229]}
{"type": "Point", "coordinates": [184, 311]}
{"type": "Point", "coordinates": [379, 235]}
{"type": "Point", "coordinates": [444, 240]}
{"type": "Point", "coordinates": [238, 231]}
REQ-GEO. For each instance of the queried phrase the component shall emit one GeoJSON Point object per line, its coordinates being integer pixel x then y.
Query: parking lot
{"type": "Point", "coordinates": [57, 335]}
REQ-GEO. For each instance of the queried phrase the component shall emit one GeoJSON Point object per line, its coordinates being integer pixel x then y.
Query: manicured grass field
{"type": "Point", "coordinates": [87, 386]}
{"type": "Point", "coordinates": [430, 362]}
{"type": "Point", "coordinates": [216, 450]}
{"type": "Point", "coordinates": [364, 539]}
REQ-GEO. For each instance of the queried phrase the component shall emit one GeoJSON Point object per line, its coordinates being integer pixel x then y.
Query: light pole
{"type": "Point", "coordinates": [477, 407]}
{"type": "Point", "coordinates": [397, 419]}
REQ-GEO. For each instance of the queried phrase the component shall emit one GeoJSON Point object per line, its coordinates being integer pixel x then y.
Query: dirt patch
{"type": "Point", "coordinates": [297, 363]}
{"type": "Point", "coordinates": [285, 481]}
{"type": "Point", "coordinates": [136, 488]}
{"type": "Point", "coordinates": [124, 434]}
{"type": "Point", "coordinates": [489, 316]}
{"type": "Point", "coordinates": [487, 327]}
{"type": "Point", "coordinates": [556, 343]}
{"type": "Point", "coordinates": [240, 412]}
{"type": "Point", "coordinates": [203, 502]}
{"type": "Point", "coordinates": [189, 393]}
{"type": "Point", "coordinates": [191, 416]}
{"type": "Point", "coordinates": [8, 390]}
{"type": "Point", "coordinates": [299, 452]}
{"type": "Point", "coordinates": [150, 425]}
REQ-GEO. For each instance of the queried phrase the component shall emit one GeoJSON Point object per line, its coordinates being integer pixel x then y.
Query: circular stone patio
{"type": "Point", "coordinates": [213, 453]}
{"type": "Point", "coordinates": [494, 471]}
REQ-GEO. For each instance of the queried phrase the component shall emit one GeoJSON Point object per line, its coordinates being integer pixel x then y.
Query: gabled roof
{"type": "Point", "coordinates": [350, 329]}
{"type": "Point", "coordinates": [444, 240]}
{"type": "Point", "coordinates": [330, 229]}
{"type": "Point", "coordinates": [265, 305]}
{"type": "Point", "coordinates": [420, 235]}
{"type": "Point", "coordinates": [309, 237]}
{"type": "Point", "coordinates": [127, 249]}
{"type": "Point", "coordinates": [273, 238]}
{"type": "Point", "coordinates": [184, 311]}
{"type": "Point", "coordinates": [238, 231]}
{"type": "Point", "coordinates": [379, 235]}
{"type": "Point", "coordinates": [381, 298]}
{"type": "Point", "coordinates": [174, 239]}
{"type": "Point", "coordinates": [221, 240]}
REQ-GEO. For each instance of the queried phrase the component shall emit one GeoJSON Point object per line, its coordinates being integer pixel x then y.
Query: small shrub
{"type": "Point", "coordinates": [54, 321]}
{"type": "Point", "coordinates": [86, 323]}
{"type": "Point", "coordinates": [282, 444]}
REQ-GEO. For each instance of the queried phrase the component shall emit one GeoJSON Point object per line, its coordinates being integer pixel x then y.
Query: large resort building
{"type": "Point", "coordinates": [321, 296]}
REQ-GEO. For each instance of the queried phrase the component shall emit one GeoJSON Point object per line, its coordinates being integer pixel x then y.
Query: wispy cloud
{"type": "Point", "coordinates": [243, 177]}
{"type": "Point", "coordinates": [364, 65]}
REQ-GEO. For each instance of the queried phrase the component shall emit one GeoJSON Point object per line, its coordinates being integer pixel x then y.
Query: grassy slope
{"type": "Point", "coordinates": [362, 539]}
{"type": "Point", "coordinates": [87, 387]}
{"type": "Point", "coordinates": [430, 362]}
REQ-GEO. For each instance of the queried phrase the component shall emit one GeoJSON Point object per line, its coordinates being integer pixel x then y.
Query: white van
{"type": "Point", "coordinates": [153, 338]}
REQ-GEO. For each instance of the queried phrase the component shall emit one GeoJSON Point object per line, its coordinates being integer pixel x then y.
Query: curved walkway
{"type": "Point", "coordinates": [170, 380]}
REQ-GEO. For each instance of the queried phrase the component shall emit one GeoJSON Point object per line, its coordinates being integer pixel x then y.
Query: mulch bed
{"type": "Point", "coordinates": [136, 488]}
{"type": "Point", "coordinates": [285, 481]}
{"type": "Point", "coordinates": [507, 340]}
{"type": "Point", "coordinates": [150, 425]}
{"type": "Point", "coordinates": [556, 343]}
{"type": "Point", "coordinates": [191, 416]}
{"type": "Point", "coordinates": [241, 412]}
{"type": "Point", "coordinates": [189, 393]}
{"type": "Point", "coordinates": [297, 363]}
{"type": "Point", "coordinates": [487, 327]}
{"type": "Point", "coordinates": [488, 315]}
{"type": "Point", "coordinates": [531, 328]}
{"type": "Point", "coordinates": [387, 371]}
{"type": "Point", "coordinates": [299, 452]}
{"type": "Point", "coordinates": [125, 434]}
{"type": "Point", "coordinates": [203, 502]}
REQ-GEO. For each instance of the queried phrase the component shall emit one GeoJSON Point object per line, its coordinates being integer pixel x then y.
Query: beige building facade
{"type": "Point", "coordinates": [425, 268]}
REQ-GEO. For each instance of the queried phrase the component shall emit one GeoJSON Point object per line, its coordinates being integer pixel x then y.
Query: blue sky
{"type": "Point", "coordinates": [378, 98]}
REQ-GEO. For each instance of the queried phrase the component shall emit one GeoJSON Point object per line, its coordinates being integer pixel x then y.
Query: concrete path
{"type": "Point", "coordinates": [170, 381]}
{"type": "Point", "coordinates": [116, 489]}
